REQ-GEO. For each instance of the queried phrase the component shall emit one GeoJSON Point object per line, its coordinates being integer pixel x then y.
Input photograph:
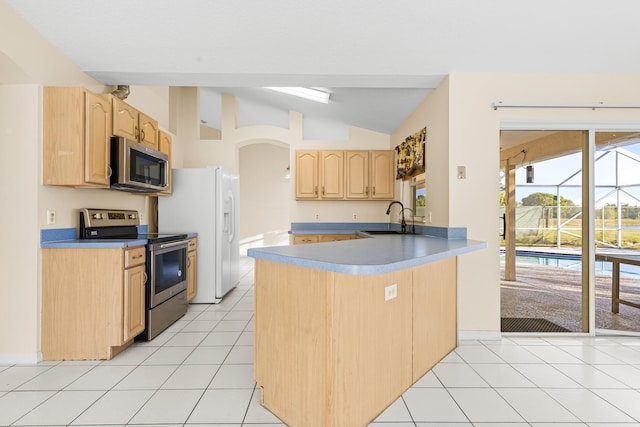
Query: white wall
{"type": "Point", "coordinates": [432, 113]}
{"type": "Point", "coordinates": [32, 59]}
{"type": "Point", "coordinates": [20, 176]}
{"type": "Point", "coordinates": [19, 181]}
{"type": "Point", "coordinates": [464, 130]}
{"type": "Point", "coordinates": [264, 191]}
{"type": "Point", "coordinates": [474, 142]}
{"type": "Point", "coordinates": [35, 59]}
{"type": "Point", "coordinates": [200, 153]}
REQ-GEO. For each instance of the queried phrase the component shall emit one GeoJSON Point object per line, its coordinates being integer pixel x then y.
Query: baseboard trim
{"type": "Point", "coordinates": [479, 335]}
{"type": "Point", "coordinates": [20, 358]}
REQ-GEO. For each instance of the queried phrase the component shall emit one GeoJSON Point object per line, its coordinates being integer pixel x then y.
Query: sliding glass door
{"type": "Point", "coordinates": [571, 247]}
{"type": "Point", "coordinates": [617, 231]}
{"type": "Point", "coordinates": [542, 289]}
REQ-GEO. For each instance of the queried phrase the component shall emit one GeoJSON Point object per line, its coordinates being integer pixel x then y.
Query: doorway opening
{"type": "Point", "coordinates": [265, 193]}
{"type": "Point", "coordinates": [541, 290]}
{"type": "Point", "coordinates": [545, 283]}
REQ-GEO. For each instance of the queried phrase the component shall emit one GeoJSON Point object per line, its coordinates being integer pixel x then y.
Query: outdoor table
{"type": "Point", "coordinates": [616, 260]}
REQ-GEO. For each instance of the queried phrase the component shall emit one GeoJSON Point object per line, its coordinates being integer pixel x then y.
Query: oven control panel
{"type": "Point", "coordinates": [109, 217]}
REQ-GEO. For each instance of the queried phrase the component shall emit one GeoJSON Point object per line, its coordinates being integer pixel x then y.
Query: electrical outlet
{"type": "Point", "coordinates": [355, 216]}
{"type": "Point", "coordinates": [430, 217]}
{"type": "Point", "coordinates": [390, 292]}
{"type": "Point", "coordinates": [462, 172]}
{"type": "Point", "coordinates": [51, 216]}
{"type": "Point", "coordinates": [140, 216]}
{"type": "Point", "coordinates": [317, 216]}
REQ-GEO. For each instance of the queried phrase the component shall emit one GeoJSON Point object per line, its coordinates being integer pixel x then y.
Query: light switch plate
{"type": "Point", "coordinates": [462, 172]}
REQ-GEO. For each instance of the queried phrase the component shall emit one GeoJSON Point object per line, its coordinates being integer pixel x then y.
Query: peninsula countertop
{"type": "Point", "coordinates": [373, 255]}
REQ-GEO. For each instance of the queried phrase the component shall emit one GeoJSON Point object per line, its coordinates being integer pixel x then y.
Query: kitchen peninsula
{"type": "Point", "coordinates": [343, 328]}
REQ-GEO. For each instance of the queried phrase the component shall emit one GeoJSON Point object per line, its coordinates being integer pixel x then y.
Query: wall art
{"type": "Point", "coordinates": [410, 155]}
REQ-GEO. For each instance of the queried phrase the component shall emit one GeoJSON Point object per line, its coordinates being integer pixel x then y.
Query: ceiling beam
{"type": "Point", "coordinates": [560, 143]}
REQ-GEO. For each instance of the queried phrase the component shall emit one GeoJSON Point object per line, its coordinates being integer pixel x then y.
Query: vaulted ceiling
{"type": "Point", "coordinates": [379, 57]}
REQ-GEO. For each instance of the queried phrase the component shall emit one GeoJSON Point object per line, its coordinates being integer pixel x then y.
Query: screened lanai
{"type": "Point", "coordinates": [542, 222]}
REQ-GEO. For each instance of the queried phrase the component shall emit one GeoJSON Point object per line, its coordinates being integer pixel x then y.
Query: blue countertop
{"type": "Point", "coordinates": [376, 255]}
{"type": "Point", "coordinates": [354, 227]}
{"type": "Point", "coordinates": [95, 244]}
{"type": "Point", "coordinates": [65, 238]}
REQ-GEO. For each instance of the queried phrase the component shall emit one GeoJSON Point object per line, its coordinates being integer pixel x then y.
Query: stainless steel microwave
{"type": "Point", "coordinates": [136, 167]}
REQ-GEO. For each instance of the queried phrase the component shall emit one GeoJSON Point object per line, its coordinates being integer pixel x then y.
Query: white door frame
{"type": "Point", "coordinates": [588, 193]}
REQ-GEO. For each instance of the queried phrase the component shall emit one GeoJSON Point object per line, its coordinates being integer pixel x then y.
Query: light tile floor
{"type": "Point", "coordinates": [200, 372]}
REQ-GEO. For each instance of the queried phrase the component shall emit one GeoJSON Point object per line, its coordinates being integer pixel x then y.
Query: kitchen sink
{"type": "Point", "coordinates": [380, 231]}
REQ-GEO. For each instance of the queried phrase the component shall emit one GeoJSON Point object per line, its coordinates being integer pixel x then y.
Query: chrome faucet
{"type": "Point", "coordinates": [403, 223]}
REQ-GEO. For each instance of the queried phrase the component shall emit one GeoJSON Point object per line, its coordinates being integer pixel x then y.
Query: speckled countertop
{"type": "Point", "coordinates": [374, 255]}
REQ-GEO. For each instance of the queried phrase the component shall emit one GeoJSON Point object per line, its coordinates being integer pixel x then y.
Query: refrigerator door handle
{"type": "Point", "coordinates": [232, 224]}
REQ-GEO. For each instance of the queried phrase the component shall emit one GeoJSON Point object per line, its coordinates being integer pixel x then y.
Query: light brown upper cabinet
{"type": "Point", "coordinates": [357, 174]}
{"type": "Point", "coordinates": [344, 175]}
{"type": "Point", "coordinates": [164, 146]}
{"type": "Point", "coordinates": [319, 175]}
{"type": "Point", "coordinates": [307, 175]}
{"type": "Point", "coordinates": [382, 172]}
{"type": "Point", "coordinates": [76, 132]}
{"type": "Point", "coordinates": [331, 175]}
{"type": "Point", "coordinates": [133, 124]}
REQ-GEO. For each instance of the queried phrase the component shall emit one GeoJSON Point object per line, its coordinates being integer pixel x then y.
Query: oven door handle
{"type": "Point", "coordinates": [172, 244]}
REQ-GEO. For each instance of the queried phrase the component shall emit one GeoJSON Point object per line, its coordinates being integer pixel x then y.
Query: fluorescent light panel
{"type": "Point", "coordinates": [305, 92]}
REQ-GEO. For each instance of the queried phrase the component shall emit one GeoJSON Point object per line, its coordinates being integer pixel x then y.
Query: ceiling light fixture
{"type": "Point", "coordinates": [310, 93]}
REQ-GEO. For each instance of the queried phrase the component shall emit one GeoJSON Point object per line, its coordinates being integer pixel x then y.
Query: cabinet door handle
{"type": "Point", "coordinates": [137, 132]}
{"type": "Point", "coordinates": [188, 262]}
{"type": "Point", "coordinates": [136, 256]}
{"type": "Point", "coordinates": [145, 276]}
{"type": "Point", "coordinates": [109, 171]}
{"type": "Point", "coordinates": [141, 134]}
{"type": "Point", "coordinates": [315, 190]}
{"type": "Point", "coordinates": [323, 190]}
{"type": "Point", "coordinates": [374, 191]}
{"type": "Point", "coordinates": [366, 191]}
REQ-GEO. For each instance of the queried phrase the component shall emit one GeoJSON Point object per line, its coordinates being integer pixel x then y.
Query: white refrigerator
{"type": "Point", "coordinates": [206, 201]}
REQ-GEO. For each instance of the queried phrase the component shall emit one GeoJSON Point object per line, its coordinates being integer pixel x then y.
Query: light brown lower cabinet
{"type": "Point", "coordinates": [93, 301]}
{"type": "Point", "coordinates": [192, 280]}
{"type": "Point", "coordinates": [301, 239]}
{"type": "Point", "coordinates": [434, 314]}
{"type": "Point", "coordinates": [331, 350]}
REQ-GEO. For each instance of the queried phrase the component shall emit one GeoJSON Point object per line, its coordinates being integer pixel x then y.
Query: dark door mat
{"type": "Point", "coordinates": [529, 324]}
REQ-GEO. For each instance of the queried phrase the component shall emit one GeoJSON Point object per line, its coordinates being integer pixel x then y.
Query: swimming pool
{"type": "Point", "coordinates": [573, 262]}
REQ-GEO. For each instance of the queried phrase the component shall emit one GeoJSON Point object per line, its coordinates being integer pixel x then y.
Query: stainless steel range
{"type": "Point", "coordinates": [166, 267]}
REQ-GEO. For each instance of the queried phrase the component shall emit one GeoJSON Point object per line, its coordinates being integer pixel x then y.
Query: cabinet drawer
{"type": "Point", "coordinates": [301, 239]}
{"type": "Point", "coordinates": [192, 245]}
{"type": "Point", "coordinates": [135, 256]}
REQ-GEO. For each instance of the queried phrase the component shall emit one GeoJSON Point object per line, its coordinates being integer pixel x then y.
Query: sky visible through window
{"type": "Point", "coordinates": [566, 170]}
